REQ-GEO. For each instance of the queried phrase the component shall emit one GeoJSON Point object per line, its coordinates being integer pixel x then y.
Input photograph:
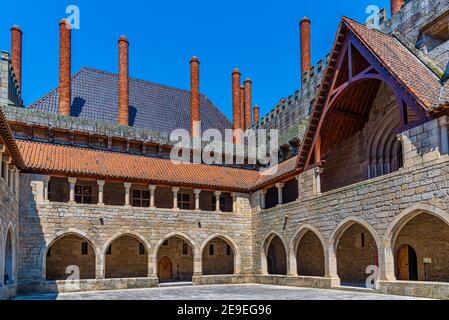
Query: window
{"type": "Point", "coordinates": [141, 198]}
{"type": "Point", "coordinates": [222, 203]}
{"type": "Point", "coordinates": [109, 250]}
{"type": "Point", "coordinates": [228, 250]}
{"type": "Point", "coordinates": [84, 248]}
{"type": "Point", "coordinates": [362, 238]}
{"type": "Point", "coordinates": [183, 201]}
{"type": "Point", "coordinates": [4, 170]}
{"type": "Point", "coordinates": [165, 244]}
{"type": "Point", "coordinates": [434, 34]}
{"type": "Point", "coordinates": [49, 253]}
{"type": "Point", "coordinates": [211, 250]}
{"type": "Point", "coordinates": [83, 194]}
{"type": "Point", "coordinates": [185, 249]}
{"type": "Point", "coordinates": [141, 249]}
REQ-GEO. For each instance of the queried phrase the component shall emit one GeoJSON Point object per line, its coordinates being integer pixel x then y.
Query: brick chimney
{"type": "Point", "coordinates": [248, 104]}
{"type": "Point", "coordinates": [123, 81]}
{"type": "Point", "coordinates": [304, 27]}
{"type": "Point", "coordinates": [16, 53]}
{"type": "Point", "coordinates": [65, 68]}
{"type": "Point", "coordinates": [242, 107]}
{"type": "Point", "coordinates": [195, 96]}
{"type": "Point", "coordinates": [236, 108]}
{"type": "Point", "coordinates": [396, 6]}
{"type": "Point", "coordinates": [256, 114]}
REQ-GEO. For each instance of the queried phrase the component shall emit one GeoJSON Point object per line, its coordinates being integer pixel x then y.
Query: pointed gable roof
{"type": "Point", "coordinates": [413, 76]}
{"type": "Point", "coordinates": [152, 106]}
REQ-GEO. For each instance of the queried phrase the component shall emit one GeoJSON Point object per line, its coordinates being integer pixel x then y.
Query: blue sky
{"type": "Point", "coordinates": [261, 38]}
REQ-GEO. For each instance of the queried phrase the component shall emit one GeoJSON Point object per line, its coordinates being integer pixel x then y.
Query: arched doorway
{"type": "Point", "coordinates": [356, 250]}
{"type": "Point", "coordinates": [276, 257]}
{"type": "Point", "coordinates": [165, 269]}
{"type": "Point", "coordinates": [310, 255]}
{"type": "Point", "coordinates": [126, 257]}
{"type": "Point", "coordinates": [180, 254]}
{"type": "Point", "coordinates": [420, 249]}
{"type": "Point", "coordinates": [218, 257]}
{"type": "Point", "coordinates": [407, 263]}
{"type": "Point", "coordinates": [8, 275]}
{"type": "Point", "coordinates": [67, 251]}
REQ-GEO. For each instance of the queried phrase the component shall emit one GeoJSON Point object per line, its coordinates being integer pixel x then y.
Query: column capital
{"type": "Point", "coordinates": [152, 187]}
{"type": "Point", "coordinates": [175, 189]}
{"type": "Point", "coordinates": [127, 185]}
{"type": "Point", "coordinates": [197, 191]}
{"type": "Point", "coordinates": [318, 170]}
{"type": "Point", "coordinates": [218, 193]}
{"type": "Point", "coordinates": [46, 179]}
{"type": "Point", "coordinates": [297, 177]}
{"type": "Point", "coordinates": [234, 195]}
{"type": "Point", "coordinates": [443, 121]}
{"type": "Point", "coordinates": [2, 148]}
{"type": "Point", "coordinates": [101, 183]}
{"type": "Point", "coordinates": [280, 185]}
{"type": "Point", "coordinates": [263, 191]}
{"type": "Point", "coordinates": [72, 180]}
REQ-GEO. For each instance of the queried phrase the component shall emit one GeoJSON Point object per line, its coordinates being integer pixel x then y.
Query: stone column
{"type": "Point", "coordinates": [7, 161]}
{"type": "Point", "coordinates": [217, 200]}
{"type": "Point", "coordinates": [10, 176]}
{"type": "Point", "coordinates": [152, 193]}
{"type": "Point", "coordinates": [100, 266]}
{"type": "Point", "coordinates": [444, 135]}
{"type": "Point", "coordinates": [197, 198]}
{"type": "Point", "coordinates": [234, 202]}
{"type": "Point", "coordinates": [101, 184]}
{"type": "Point", "coordinates": [72, 182]}
{"type": "Point", "coordinates": [386, 263]}
{"type": "Point", "coordinates": [197, 264]}
{"type": "Point", "coordinates": [298, 178]}
{"type": "Point", "coordinates": [46, 183]}
{"type": "Point", "coordinates": [317, 180]}
{"type": "Point", "coordinates": [262, 193]}
{"type": "Point", "coordinates": [2, 150]}
{"type": "Point", "coordinates": [127, 186]}
{"type": "Point", "coordinates": [175, 197]}
{"type": "Point", "coordinates": [280, 186]}
{"type": "Point", "coordinates": [330, 265]}
{"type": "Point", "coordinates": [17, 179]}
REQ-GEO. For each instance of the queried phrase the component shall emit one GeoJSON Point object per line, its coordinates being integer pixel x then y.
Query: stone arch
{"type": "Point", "coordinates": [9, 254]}
{"type": "Point", "coordinates": [265, 253]}
{"type": "Point", "coordinates": [72, 232]}
{"type": "Point", "coordinates": [406, 229]}
{"type": "Point", "coordinates": [126, 260]}
{"type": "Point", "coordinates": [232, 244]}
{"type": "Point", "coordinates": [304, 230]}
{"type": "Point", "coordinates": [350, 254]}
{"type": "Point", "coordinates": [187, 266]}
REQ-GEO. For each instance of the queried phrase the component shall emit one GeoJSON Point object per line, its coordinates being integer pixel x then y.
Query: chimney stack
{"type": "Point", "coordinates": [304, 26]}
{"type": "Point", "coordinates": [236, 108]}
{"type": "Point", "coordinates": [256, 114]}
{"type": "Point", "coordinates": [123, 82]}
{"type": "Point", "coordinates": [65, 68]}
{"type": "Point", "coordinates": [16, 53]}
{"type": "Point", "coordinates": [396, 6]}
{"type": "Point", "coordinates": [248, 104]}
{"type": "Point", "coordinates": [195, 97]}
{"type": "Point", "coordinates": [242, 108]}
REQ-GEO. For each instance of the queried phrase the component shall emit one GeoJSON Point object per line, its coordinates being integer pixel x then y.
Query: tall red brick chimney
{"type": "Point", "coordinates": [242, 107]}
{"type": "Point", "coordinates": [256, 114]}
{"type": "Point", "coordinates": [396, 5]}
{"type": "Point", "coordinates": [16, 53]}
{"type": "Point", "coordinates": [236, 108]}
{"type": "Point", "coordinates": [65, 67]}
{"type": "Point", "coordinates": [195, 96]}
{"type": "Point", "coordinates": [123, 81]}
{"type": "Point", "coordinates": [304, 27]}
{"type": "Point", "coordinates": [248, 104]}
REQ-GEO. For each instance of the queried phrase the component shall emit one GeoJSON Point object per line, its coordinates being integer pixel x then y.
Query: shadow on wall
{"type": "Point", "coordinates": [132, 115]}
{"type": "Point", "coordinates": [77, 106]}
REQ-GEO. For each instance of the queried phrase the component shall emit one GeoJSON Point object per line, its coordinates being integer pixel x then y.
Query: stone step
{"type": "Point", "coordinates": [175, 284]}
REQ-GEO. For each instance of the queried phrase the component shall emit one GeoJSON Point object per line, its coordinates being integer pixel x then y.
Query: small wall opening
{"type": "Point", "coordinates": [175, 260]}
{"type": "Point", "coordinates": [218, 258]}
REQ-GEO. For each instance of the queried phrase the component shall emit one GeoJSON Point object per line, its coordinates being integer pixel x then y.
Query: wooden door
{"type": "Point", "coordinates": [165, 269]}
{"type": "Point", "coordinates": [403, 264]}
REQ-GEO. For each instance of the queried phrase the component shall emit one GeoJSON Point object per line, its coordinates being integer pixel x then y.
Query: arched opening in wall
{"type": "Point", "coordinates": [421, 251]}
{"type": "Point", "coordinates": [356, 250]}
{"type": "Point", "coordinates": [68, 251]}
{"type": "Point", "coordinates": [310, 255]}
{"type": "Point", "coordinates": [175, 260]}
{"type": "Point", "coordinates": [218, 257]}
{"type": "Point", "coordinates": [126, 257]}
{"type": "Point", "coordinates": [9, 260]}
{"type": "Point", "coordinates": [276, 257]}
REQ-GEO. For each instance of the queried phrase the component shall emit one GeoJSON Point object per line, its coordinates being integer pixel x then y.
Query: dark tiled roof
{"type": "Point", "coordinates": [152, 106]}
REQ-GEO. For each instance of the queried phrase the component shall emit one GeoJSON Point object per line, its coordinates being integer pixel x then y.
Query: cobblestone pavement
{"type": "Point", "coordinates": [219, 292]}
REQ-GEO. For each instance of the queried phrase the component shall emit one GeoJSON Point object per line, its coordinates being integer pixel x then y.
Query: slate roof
{"type": "Point", "coordinates": [152, 106]}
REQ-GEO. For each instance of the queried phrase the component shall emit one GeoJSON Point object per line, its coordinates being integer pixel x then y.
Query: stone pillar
{"type": "Point", "coordinates": [100, 266]}
{"type": "Point", "coordinates": [386, 263]}
{"type": "Point", "coordinates": [217, 200]}
{"type": "Point", "coordinates": [280, 186]}
{"type": "Point", "coordinates": [72, 182]}
{"type": "Point", "coordinates": [197, 264]}
{"type": "Point", "coordinates": [46, 183]}
{"type": "Point", "coordinates": [17, 179]}
{"type": "Point", "coordinates": [2, 150]}
{"type": "Point", "coordinates": [175, 197]}
{"type": "Point", "coordinates": [262, 193]}
{"type": "Point", "coordinates": [444, 135]}
{"type": "Point", "coordinates": [197, 198]}
{"type": "Point", "coordinates": [127, 186]}
{"type": "Point", "coordinates": [11, 177]}
{"type": "Point", "coordinates": [330, 265]}
{"type": "Point", "coordinates": [234, 202]}
{"type": "Point", "coordinates": [298, 178]}
{"type": "Point", "coordinates": [101, 184]}
{"type": "Point", "coordinates": [152, 193]}
{"type": "Point", "coordinates": [317, 180]}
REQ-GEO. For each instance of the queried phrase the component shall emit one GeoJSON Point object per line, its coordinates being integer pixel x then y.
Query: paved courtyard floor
{"type": "Point", "coordinates": [219, 292]}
